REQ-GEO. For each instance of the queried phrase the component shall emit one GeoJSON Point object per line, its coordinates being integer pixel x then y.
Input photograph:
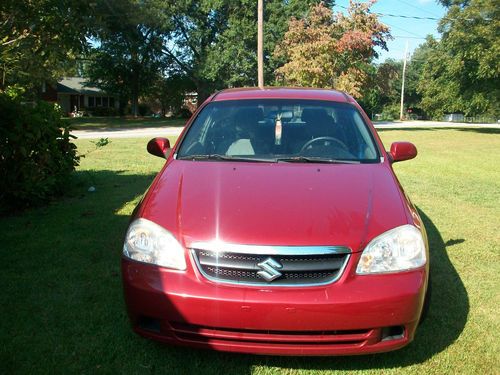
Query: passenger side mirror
{"type": "Point", "coordinates": [159, 147]}
{"type": "Point", "coordinates": [402, 151]}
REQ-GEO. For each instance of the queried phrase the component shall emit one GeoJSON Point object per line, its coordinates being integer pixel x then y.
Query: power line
{"type": "Point", "coordinates": [412, 37]}
{"type": "Point", "coordinates": [418, 17]}
{"type": "Point", "coordinates": [415, 36]}
{"type": "Point", "coordinates": [419, 8]}
{"type": "Point", "coordinates": [396, 15]}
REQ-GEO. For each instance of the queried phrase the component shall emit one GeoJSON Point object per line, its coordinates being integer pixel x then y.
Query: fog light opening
{"type": "Point", "coordinates": [393, 333]}
{"type": "Point", "coordinates": [147, 323]}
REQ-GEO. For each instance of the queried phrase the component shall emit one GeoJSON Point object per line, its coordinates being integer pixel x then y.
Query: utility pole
{"type": "Point", "coordinates": [401, 117]}
{"type": "Point", "coordinates": [260, 42]}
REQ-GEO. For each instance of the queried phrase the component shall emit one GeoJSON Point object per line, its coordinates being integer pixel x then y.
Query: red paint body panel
{"type": "Point", "coordinates": [403, 151]}
{"type": "Point", "coordinates": [277, 204]}
{"type": "Point", "coordinates": [352, 303]}
{"type": "Point", "coordinates": [281, 93]}
{"type": "Point", "coordinates": [232, 202]}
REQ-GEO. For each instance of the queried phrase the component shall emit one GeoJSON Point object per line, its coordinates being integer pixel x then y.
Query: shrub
{"type": "Point", "coordinates": [390, 112]}
{"type": "Point", "coordinates": [143, 109]}
{"type": "Point", "coordinates": [36, 153]}
{"type": "Point", "coordinates": [183, 113]}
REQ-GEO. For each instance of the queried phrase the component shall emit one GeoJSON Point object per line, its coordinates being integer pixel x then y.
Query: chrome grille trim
{"type": "Point", "coordinates": [221, 272]}
{"type": "Point", "coordinates": [269, 250]}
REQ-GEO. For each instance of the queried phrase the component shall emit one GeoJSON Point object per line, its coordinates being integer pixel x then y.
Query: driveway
{"type": "Point", "coordinates": [166, 131]}
{"type": "Point", "coordinates": [163, 131]}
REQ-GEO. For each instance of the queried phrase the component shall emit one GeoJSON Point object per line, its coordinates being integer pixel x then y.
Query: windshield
{"type": "Point", "coordinates": [291, 130]}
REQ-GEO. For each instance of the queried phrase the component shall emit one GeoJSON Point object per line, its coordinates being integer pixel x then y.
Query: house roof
{"type": "Point", "coordinates": [77, 85]}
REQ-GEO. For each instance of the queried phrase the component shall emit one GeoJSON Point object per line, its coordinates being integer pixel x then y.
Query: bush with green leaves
{"type": "Point", "coordinates": [36, 153]}
{"type": "Point", "coordinates": [390, 112]}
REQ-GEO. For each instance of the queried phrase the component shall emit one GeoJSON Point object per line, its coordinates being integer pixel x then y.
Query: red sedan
{"type": "Point", "coordinates": [277, 226]}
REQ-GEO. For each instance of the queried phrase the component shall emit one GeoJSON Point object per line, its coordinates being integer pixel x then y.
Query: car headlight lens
{"type": "Point", "coordinates": [150, 243]}
{"type": "Point", "coordinates": [398, 249]}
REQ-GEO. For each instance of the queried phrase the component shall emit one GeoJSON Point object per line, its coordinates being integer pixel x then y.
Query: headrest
{"type": "Point", "coordinates": [249, 115]}
{"type": "Point", "coordinates": [314, 115]}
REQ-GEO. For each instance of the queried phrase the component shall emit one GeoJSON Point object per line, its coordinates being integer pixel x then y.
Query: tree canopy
{"type": "Point", "coordinates": [128, 52]}
{"type": "Point", "coordinates": [462, 71]}
{"type": "Point", "coordinates": [39, 38]}
{"type": "Point", "coordinates": [327, 49]}
{"type": "Point", "coordinates": [161, 49]}
{"type": "Point", "coordinates": [214, 43]}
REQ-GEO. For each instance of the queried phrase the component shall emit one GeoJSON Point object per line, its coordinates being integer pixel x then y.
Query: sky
{"type": "Point", "coordinates": [404, 29]}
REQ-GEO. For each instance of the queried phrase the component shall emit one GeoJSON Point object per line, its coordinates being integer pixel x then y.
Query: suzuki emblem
{"type": "Point", "coordinates": [269, 269]}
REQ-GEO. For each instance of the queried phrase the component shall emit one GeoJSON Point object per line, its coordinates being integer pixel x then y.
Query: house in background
{"type": "Point", "coordinates": [72, 93]}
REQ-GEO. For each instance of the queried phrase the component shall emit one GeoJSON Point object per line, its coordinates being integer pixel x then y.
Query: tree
{"type": "Point", "coordinates": [462, 71]}
{"type": "Point", "coordinates": [128, 51]}
{"type": "Point", "coordinates": [332, 50]}
{"type": "Point", "coordinates": [37, 38]}
{"type": "Point", "coordinates": [170, 92]}
{"type": "Point", "coordinates": [384, 87]}
{"type": "Point", "coordinates": [214, 44]}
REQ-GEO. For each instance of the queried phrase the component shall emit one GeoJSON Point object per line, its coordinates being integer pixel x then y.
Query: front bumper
{"type": "Point", "coordinates": [354, 315]}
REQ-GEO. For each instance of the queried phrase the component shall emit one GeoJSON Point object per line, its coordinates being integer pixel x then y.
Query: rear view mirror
{"type": "Point", "coordinates": [402, 151]}
{"type": "Point", "coordinates": [159, 147]}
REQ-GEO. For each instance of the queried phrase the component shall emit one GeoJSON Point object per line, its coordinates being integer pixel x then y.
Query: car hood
{"type": "Point", "coordinates": [293, 204]}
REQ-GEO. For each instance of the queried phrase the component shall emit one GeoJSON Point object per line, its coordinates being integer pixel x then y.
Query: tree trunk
{"type": "Point", "coordinates": [203, 92]}
{"type": "Point", "coordinates": [135, 93]}
{"type": "Point", "coordinates": [123, 105]}
{"type": "Point", "coordinates": [135, 104]}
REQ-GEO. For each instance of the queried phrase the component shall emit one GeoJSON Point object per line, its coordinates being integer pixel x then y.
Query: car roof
{"type": "Point", "coordinates": [282, 93]}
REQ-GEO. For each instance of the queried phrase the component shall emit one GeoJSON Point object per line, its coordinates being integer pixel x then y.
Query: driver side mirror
{"type": "Point", "coordinates": [159, 147]}
{"type": "Point", "coordinates": [402, 151]}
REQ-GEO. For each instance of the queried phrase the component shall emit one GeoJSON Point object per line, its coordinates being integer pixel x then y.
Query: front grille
{"type": "Point", "coordinates": [292, 267]}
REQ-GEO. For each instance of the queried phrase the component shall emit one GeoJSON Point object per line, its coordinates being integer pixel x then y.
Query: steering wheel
{"type": "Point", "coordinates": [324, 139]}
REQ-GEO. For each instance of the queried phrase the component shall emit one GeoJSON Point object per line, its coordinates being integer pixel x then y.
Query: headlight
{"type": "Point", "coordinates": [398, 249]}
{"type": "Point", "coordinates": [149, 243]}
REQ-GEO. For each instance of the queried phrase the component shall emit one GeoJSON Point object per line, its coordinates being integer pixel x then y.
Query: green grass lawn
{"type": "Point", "coordinates": [97, 123]}
{"type": "Point", "coordinates": [61, 306]}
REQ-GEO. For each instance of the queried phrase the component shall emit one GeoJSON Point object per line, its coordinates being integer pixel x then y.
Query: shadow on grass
{"type": "Point", "coordinates": [61, 304]}
{"type": "Point", "coordinates": [463, 129]}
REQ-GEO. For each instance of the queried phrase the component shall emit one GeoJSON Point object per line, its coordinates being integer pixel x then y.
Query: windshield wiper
{"type": "Point", "coordinates": [315, 159]}
{"type": "Point", "coordinates": [225, 158]}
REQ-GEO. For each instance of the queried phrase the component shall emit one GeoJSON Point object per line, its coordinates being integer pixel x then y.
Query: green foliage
{"type": "Point", "coordinates": [214, 43]}
{"type": "Point", "coordinates": [332, 50]}
{"type": "Point", "coordinates": [143, 109]}
{"type": "Point", "coordinates": [126, 60]}
{"type": "Point", "coordinates": [36, 153]}
{"type": "Point", "coordinates": [183, 113]}
{"type": "Point", "coordinates": [462, 71]}
{"type": "Point", "coordinates": [232, 62]}
{"type": "Point", "coordinates": [38, 38]}
{"type": "Point", "coordinates": [101, 143]}
{"type": "Point", "coordinates": [169, 93]}
{"type": "Point", "coordinates": [390, 112]}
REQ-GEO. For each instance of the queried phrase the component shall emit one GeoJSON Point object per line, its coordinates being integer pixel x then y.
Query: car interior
{"type": "Point", "coordinates": [269, 130]}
